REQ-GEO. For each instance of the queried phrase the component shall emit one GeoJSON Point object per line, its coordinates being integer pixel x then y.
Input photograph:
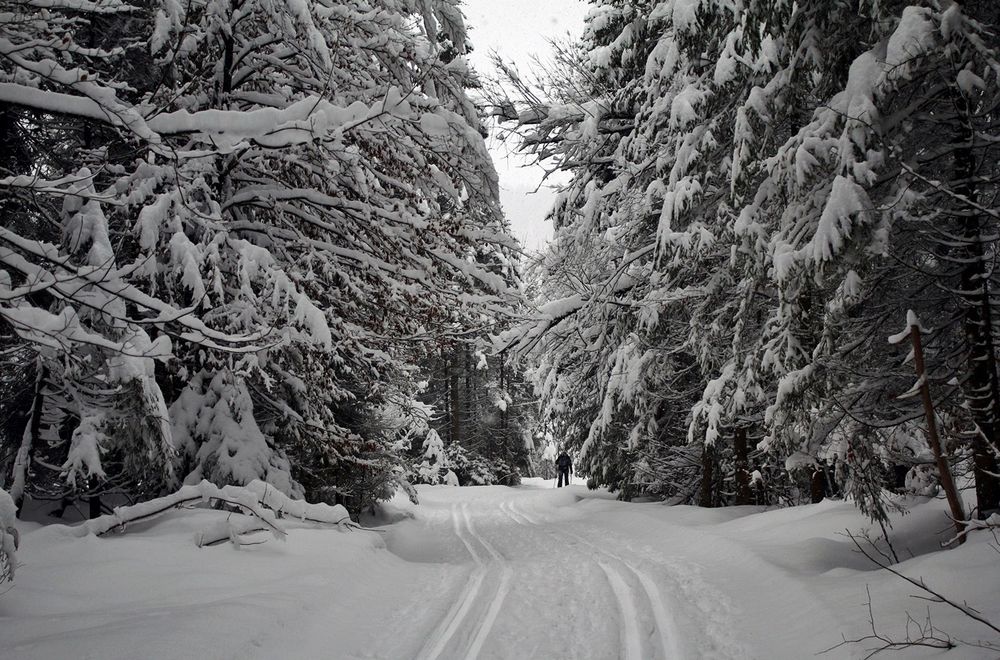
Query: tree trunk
{"type": "Point", "coordinates": [983, 384]}
{"type": "Point", "coordinates": [94, 501]}
{"type": "Point", "coordinates": [706, 497]}
{"type": "Point", "coordinates": [742, 476]}
{"type": "Point", "coordinates": [227, 67]}
{"type": "Point", "coordinates": [470, 418]}
{"type": "Point", "coordinates": [944, 471]}
{"type": "Point", "coordinates": [817, 485]}
{"type": "Point", "coordinates": [456, 401]}
{"type": "Point", "coordinates": [503, 386]}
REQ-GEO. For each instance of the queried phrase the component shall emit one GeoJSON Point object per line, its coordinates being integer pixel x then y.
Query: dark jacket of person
{"type": "Point", "coordinates": [564, 463]}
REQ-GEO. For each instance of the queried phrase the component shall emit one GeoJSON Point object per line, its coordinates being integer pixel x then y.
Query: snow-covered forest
{"type": "Point", "coordinates": [253, 262]}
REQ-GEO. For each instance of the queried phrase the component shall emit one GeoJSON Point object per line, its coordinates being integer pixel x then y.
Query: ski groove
{"type": "Point", "coordinates": [506, 507]}
{"type": "Point", "coordinates": [524, 514]}
{"type": "Point", "coordinates": [472, 596]}
{"type": "Point", "coordinates": [458, 612]}
{"type": "Point", "coordinates": [665, 625]}
{"type": "Point", "coordinates": [486, 625]}
{"type": "Point", "coordinates": [666, 628]}
{"type": "Point", "coordinates": [631, 636]}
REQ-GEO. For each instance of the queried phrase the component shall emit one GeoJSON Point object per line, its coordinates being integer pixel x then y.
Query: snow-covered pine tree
{"type": "Point", "coordinates": [773, 66]}
{"type": "Point", "coordinates": [8, 537]}
{"type": "Point", "coordinates": [353, 191]}
{"type": "Point", "coordinates": [431, 468]}
{"type": "Point", "coordinates": [94, 408]}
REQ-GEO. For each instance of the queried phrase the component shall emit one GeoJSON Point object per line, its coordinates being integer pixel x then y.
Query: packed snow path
{"type": "Point", "coordinates": [527, 578]}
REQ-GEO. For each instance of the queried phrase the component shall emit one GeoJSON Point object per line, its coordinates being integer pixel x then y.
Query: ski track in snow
{"type": "Point", "coordinates": [628, 605]}
{"type": "Point", "coordinates": [469, 599]}
{"type": "Point", "coordinates": [631, 636]}
{"type": "Point", "coordinates": [504, 587]}
{"type": "Point", "coordinates": [665, 625]}
{"type": "Point", "coordinates": [648, 621]}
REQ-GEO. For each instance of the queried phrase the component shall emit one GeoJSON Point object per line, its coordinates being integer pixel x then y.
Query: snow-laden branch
{"type": "Point", "coordinates": [58, 103]}
{"type": "Point", "coordinates": [85, 6]}
{"type": "Point", "coordinates": [68, 287]}
{"type": "Point", "coordinates": [283, 505]}
{"type": "Point", "coordinates": [298, 123]}
{"type": "Point", "coordinates": [522, 338]}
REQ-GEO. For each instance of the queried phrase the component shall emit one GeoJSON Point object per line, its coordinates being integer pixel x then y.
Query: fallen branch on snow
{"type": "Point", "coordinates": [261, 505]}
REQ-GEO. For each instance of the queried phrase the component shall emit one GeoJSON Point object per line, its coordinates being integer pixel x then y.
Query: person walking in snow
{"type": "Point", "coordinates": [565, 465]}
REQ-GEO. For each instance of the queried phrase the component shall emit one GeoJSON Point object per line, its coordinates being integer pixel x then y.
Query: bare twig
{"type": "Point", "coordinates": [926, 635]}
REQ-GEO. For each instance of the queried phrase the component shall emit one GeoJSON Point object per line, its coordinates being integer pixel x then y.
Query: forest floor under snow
{"type": "Point", "coordinates": [495, 572]}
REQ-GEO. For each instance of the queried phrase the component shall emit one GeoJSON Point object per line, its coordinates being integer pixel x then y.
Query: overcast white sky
{"type": "Point", "coordinates": [518, 29]}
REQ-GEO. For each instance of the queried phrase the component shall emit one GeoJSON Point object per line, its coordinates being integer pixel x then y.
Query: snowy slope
{"type": "Point", "coordinates": [493, 572]}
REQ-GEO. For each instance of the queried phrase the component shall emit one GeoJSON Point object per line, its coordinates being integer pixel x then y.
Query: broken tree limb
{"type": "Point", "coordinates": [205, 491]}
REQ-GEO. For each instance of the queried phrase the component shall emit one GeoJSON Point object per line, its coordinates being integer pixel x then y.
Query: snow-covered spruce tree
{"type": "Point", "coordinates": [8, 537]}
{"type": "Point", "coordinates": [654, 195]}
{"type": "Point", "coordinates": [296, 175]}
{"type": "Point", "coordinates": [431, 469]}
{"type": "Point", "coordinates": [90, 388]}
{"type": "Point", "coordinates": [881, 203]}
{"type": "Point", "coordinates": [373, 198]}
{"type": "Point", "coordinates": [772, 66]}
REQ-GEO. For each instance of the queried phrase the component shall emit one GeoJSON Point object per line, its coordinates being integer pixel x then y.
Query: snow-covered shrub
{"type": "Point", "coordinates": [923, 480]}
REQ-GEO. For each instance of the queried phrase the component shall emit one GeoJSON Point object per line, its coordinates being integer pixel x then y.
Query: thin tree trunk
{"type": "Point", "coordinates": [944, 471]}
{"type": "Point", "coordinates": [469, 416]}
{"type": "Point", "coordinates": [94, 501]}
{"type": "Point", "coordinates": [706, 498]}
{"type": "Point", "coordinates": [503, 388]}
{"type": "Point", "coordinates": [456, 402]}
{"type": "Point", "coordinates": [227, 67]}
{"type": "Point", "coordinates": [742, 476]}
